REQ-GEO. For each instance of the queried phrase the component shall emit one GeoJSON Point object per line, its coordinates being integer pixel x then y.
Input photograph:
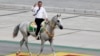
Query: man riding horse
{"type": "Point", "coordinates": [40, 15]}
{"type": "Point", "coordinates": [47, 35]}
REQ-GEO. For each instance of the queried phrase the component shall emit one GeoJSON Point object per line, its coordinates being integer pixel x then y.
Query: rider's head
{"type": "Point", "coordinates": [40, 3]}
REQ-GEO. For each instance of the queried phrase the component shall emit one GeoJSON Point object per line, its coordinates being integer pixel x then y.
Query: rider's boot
{"type": "Point", "coordinates": [38, 36]}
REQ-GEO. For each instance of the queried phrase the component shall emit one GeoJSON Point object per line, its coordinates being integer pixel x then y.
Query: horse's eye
{"type": "Point", "coordinates": [57, 20]}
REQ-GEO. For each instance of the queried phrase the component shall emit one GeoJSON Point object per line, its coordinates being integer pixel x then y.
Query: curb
{"type": "Point", "coordinates": [51, 9]}
{"type": "Point", "coordinates": [57, 46]}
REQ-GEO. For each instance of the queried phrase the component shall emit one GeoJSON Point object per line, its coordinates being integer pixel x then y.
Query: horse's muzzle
{"type": "Point", "coordinates": [61, 27]}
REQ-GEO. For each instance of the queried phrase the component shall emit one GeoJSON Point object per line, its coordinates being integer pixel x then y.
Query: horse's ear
{"type": "Point", "coordinates": [58, 15]}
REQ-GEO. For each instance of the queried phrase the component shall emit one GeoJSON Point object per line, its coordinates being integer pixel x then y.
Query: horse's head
{"type": "Point", "coordinates": [57, 21]}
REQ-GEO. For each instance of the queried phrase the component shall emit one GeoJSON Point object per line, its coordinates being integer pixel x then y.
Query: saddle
{"type": "Point", "coordinates": [33, 26]}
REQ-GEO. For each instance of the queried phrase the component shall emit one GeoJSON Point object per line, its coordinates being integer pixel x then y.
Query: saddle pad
{"type": "Point", "coordinates": [33, 26]}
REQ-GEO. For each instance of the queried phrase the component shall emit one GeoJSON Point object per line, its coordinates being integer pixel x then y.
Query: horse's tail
{"type": "Point", "coordinates": [15, 32]}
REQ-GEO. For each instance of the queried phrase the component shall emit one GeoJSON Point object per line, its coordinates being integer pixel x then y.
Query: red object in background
{"type": "Point", "coordinates": [71, 55]}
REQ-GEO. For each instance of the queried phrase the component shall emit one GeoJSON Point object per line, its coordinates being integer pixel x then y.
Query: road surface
{"type": "Point", "coordinates": [77, 4]}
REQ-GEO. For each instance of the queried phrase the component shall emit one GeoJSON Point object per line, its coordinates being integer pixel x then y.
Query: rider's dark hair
{"type": "Point", "coordinates": [39, 1]}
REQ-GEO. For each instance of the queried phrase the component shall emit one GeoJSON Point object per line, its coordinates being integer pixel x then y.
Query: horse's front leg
{"type": "Point", "coordinates": [42, 46]}
{"type": "Point", "coordinates": [51, 45]}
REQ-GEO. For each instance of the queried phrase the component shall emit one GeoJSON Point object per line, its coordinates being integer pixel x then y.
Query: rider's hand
{"type": "Point", "coordinates": [35, 5]}
{"type": "Point", "coordinates": [46, 19]}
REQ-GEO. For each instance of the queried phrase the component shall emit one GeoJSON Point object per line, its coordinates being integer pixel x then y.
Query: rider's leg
{"type": "Point", "coordinates": [38, 22]}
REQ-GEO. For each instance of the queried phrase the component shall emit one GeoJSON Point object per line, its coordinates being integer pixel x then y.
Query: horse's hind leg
{"type": "Point", "coordinates": [26, 44]}
{"type": "Point", "coordinates": [21, 43]}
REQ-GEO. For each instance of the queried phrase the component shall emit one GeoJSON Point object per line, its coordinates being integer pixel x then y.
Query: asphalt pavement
{"type": "Point", "coordinates": [77, 4]}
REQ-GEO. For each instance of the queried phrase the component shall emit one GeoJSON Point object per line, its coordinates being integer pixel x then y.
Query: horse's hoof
{"type": "Point", "coordinates": [30, 54]}
{"type": "Point", "coordinates": [17, 54]}
{"type": "Point", "coordinates": [54, 54]}
{"type": "Point", "coordinates": [37, 55]}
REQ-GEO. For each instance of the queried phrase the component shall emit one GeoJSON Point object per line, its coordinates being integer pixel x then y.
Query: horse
{"type": "Point", "coordinates": [46, 35]}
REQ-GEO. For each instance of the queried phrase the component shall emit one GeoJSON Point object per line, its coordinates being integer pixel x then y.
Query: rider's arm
{"type": "Point", "coordinates": [33, 7]}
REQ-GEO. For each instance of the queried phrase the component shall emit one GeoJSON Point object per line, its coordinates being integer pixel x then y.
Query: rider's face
{"type": "Point", "coordinates": [40, 4]}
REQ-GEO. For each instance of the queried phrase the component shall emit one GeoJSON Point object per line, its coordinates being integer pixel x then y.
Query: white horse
{"type": "Point", "coordinates": [46, 35]}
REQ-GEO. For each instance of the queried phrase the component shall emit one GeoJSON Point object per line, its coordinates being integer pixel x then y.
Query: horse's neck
{"type": "Point", "coordinates": [50, 27]}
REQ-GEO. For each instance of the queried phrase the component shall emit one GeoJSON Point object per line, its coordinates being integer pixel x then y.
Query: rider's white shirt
{"type": "Point", "coordinates": [41, 13]}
